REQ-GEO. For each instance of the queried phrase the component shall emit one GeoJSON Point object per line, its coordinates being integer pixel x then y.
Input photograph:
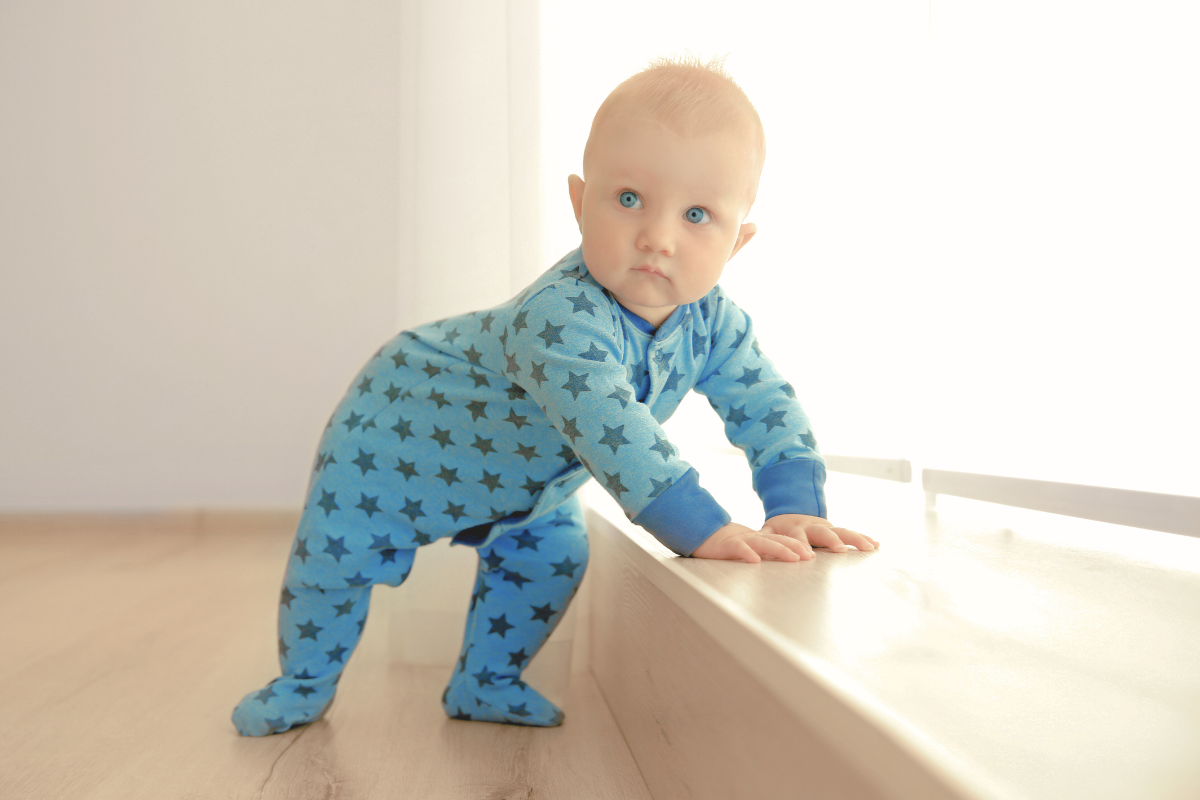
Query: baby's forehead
{"type": "Point", "coordinates": [615, 134]}
{"type": "Point", "coordinates": [686, 129]}
{"type": "Point", "coordinates": [648, 174]}
{"type": "Point", "coordinates": [729, 140]}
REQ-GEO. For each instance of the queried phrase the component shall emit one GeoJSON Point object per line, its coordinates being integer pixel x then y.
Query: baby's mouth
{"type": "Point", "coordinates": [649, 270]}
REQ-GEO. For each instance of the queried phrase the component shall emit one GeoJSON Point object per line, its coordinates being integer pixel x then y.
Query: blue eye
{"type": "Point", "coordinates": [694, 214]}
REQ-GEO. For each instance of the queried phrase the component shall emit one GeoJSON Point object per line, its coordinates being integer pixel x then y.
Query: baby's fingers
{"type": "Point", "coordinates": [821, 536]}
{"type": "Point", "coordinates": [798, 546]}
{"type": "Point", "coordinates": [739, 549]}
{"type": "Point", "coordinates": [836, 539]}
{"type": "Point", "coordinates": [794, 540]}
{"type": "Point", "coordinates": [855, 538]}
{"type": "Point", "coordinates": [776, 546]}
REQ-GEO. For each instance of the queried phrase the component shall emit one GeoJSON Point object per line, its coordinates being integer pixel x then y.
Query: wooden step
{"type": "Point", "coordinates": [983, 652]}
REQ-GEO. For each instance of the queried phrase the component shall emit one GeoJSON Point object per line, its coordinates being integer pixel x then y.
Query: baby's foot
{"type": "Point", "coordinates": [285, 703]}
{"type": "Point", "coordinates": [485, 697]}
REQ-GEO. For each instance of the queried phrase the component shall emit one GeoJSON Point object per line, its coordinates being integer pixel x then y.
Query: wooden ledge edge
{"type": "Point", "coordinates": [899, 760]}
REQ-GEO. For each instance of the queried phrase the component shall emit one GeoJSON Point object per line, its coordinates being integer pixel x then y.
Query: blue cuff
{"type": "Point", "coordinates": [684, 515]}
{"type": "Point", "coordinates": [795, 486]}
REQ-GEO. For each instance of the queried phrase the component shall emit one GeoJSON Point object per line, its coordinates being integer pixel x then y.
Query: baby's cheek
{"type": "Point", "coordinates": [598, 260]}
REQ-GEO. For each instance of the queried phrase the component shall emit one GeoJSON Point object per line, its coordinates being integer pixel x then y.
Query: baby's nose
{"type": "Point", "coordinates": [656, 237]}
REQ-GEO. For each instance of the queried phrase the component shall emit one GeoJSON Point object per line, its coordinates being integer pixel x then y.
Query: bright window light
{"type": "Point", "coordinates": [979, 224]}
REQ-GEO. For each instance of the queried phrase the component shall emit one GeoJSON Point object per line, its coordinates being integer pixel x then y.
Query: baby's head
{"type": "Point", "coordinates": [671, 170]}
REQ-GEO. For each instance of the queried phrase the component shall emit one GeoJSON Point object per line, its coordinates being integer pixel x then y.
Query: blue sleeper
{"type": "Point", "coordinates": [481, 427]}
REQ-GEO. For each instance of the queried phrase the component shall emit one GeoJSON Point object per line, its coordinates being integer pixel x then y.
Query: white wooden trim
{"type": "Point", "coordinates": [1170, 513]}
{"type": "Point", "coordinates": [891, 469]}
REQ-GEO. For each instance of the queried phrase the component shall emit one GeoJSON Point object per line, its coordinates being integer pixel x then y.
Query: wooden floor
{"type": "Point", "coordinates": [125, 642]}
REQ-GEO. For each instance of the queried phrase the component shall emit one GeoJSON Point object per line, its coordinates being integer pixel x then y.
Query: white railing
{"type": "Point", "coordinates": [891, 469]}
{"type": "Point", "coordinates": [1170, 513]}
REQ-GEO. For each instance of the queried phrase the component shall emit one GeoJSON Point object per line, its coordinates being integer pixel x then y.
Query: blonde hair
{"type": "Point", "coordinates": [691, 98]}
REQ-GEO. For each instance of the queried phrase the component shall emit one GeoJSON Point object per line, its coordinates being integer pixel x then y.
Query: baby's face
{"type": "Point", "coordinates": [661, 214]}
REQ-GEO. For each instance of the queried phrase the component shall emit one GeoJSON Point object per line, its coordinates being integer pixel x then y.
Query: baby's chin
{"type": "Point", "coordinates": [647, 296]}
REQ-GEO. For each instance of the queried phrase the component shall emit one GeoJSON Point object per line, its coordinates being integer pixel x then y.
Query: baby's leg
{"type": "Point", "coordinates": [526, 580]}
{"type": "Point", "coordinates": [318, 630]}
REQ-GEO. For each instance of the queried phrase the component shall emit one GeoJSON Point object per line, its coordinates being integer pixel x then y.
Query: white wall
{"type": "Point", "coordinates": [470, 210]}
{"type": "Point", "coordinates": [212, 214]}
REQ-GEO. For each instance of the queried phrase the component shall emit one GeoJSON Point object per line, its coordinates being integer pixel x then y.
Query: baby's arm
{"type": "Point", "coordinates": [564, 348]}
{"type": "Point", "coordinates": [765, 420]}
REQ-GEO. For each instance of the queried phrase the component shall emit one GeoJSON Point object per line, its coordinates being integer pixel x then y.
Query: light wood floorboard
{"type": "Point", "coordinates": [125, 642]}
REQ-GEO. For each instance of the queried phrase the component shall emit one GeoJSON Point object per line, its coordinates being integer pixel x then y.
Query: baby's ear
{"type": "Point", "coordinates": [745, 234]}
{"type": "Point", "coordinates": [575, 186]}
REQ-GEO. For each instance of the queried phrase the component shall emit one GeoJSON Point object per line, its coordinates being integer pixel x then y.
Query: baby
{"type": "Point", "coordinates": [482, 426]}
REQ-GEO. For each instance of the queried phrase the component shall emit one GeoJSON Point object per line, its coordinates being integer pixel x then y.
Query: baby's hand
{"type": "Point", "coordinates": [786, 537]}
{"type": "Point", "coordinates": [818, 532]}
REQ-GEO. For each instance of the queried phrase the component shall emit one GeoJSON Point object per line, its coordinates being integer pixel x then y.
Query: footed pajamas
{"type": "Point", "coordinates": [481, 427]}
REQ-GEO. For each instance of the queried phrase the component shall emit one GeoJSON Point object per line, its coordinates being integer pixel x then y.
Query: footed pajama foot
{"type": "Point", "coordinates": [523, 586]}
{"type": "Point", "coordinates": [513, 702]}
{"type": "Point", "coordinates": [285, 703]}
